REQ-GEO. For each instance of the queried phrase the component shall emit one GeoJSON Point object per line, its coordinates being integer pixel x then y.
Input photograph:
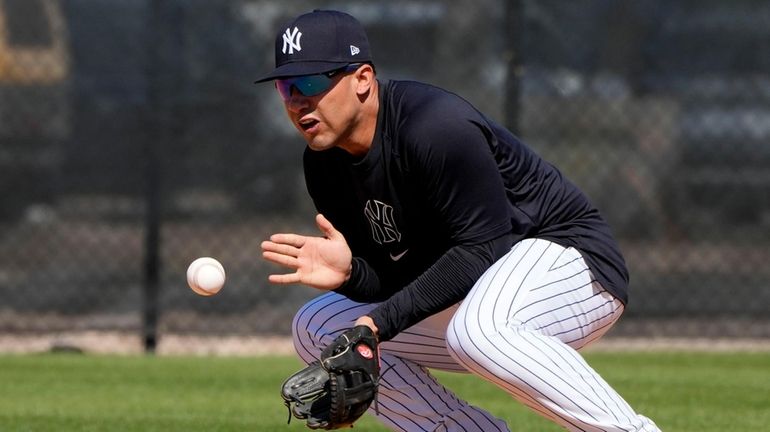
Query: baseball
{"type": "Point", "coordinates": [206, 276]}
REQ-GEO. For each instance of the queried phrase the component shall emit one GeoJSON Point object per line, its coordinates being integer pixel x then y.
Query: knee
{"type": "Point", "coordinates": [321, 320]}
{"type": "Point", "coordinates": [462, 340]}
{"type": "Point", "coordinates": [301, 322]}
{"type": "Point", "coordinates": [305, 335]}
{"type": "Point", "coordinates": [473, 344]}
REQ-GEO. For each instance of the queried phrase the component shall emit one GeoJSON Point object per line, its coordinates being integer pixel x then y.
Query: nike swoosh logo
{"type": "Point", "coordinates": [399, 256]}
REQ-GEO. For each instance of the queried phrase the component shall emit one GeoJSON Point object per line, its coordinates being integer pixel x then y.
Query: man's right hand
{"type": "Point", "coordinates": [324, 262]}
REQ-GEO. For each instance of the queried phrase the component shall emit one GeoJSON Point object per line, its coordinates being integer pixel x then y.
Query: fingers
{"type": "Point", "coordinates": [327, 228]}
{"type": "Point", "coordinates": [323, 224]}
{"type": "Point", "coordinates": [280, 248]}
{"type": "Point", "coordinates": [289, 278]}
{"type": "Point", "coordinates": [288, 239]}
{"type": "Point", "coordinates": [281, 259]}
{"type": "Point", "coordinates": [298, 241]}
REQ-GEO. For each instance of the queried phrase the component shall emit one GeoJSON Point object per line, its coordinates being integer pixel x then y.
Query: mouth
{"type": "Point", "coordinates": [308, 124]}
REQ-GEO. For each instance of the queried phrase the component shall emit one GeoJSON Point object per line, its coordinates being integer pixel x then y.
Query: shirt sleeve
{"type": "Point", "coordinates": [444, 284]}
{"type": "Point", "coordinates": [363, 285]}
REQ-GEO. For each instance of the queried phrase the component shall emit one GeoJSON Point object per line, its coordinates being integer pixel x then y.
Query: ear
{"type": "Point", "coordinates": [365, 79]}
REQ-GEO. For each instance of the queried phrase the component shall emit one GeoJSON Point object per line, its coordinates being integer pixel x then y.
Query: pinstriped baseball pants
{"type": "Point", "coordinates": [519, 327]}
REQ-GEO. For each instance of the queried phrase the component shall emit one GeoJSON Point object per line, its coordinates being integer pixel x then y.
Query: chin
{"type": "Point", "coordinates": [319, 145]}
{"type": "Point", "coordinates": [316, 147]}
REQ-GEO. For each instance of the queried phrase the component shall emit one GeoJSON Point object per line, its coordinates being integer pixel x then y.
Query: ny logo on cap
{"type": "Point", "coordinates": [291, 40]}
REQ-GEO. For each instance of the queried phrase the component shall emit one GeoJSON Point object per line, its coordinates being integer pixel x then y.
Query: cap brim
{"type": "Point", "coordinates": [301, 68]}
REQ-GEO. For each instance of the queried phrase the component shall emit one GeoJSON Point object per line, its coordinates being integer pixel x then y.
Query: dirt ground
{"type": "Point", "coordinates": [119, 343]}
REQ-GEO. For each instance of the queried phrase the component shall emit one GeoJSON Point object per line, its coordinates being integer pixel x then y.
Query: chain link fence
{"type": "Point", "coordinates": [132, 141]}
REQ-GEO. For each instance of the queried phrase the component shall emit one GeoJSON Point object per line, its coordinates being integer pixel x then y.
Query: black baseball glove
{"type": "Point", "coordinates": [336, 391]}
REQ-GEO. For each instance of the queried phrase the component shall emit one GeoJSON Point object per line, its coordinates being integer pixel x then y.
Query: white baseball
{"type": "Point", "coordinates": [206, 276]}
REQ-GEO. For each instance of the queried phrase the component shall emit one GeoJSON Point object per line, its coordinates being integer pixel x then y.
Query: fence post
{"type": "Point", "coordinates": [514, 31]}
{"type": "Point", "coordinates": [152, 255]}
{"type": "Point", "coordinates": [153, 140]}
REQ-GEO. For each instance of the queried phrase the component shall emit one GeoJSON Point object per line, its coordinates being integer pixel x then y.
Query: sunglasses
{"type": "Point", "coordinates": [311, 85]}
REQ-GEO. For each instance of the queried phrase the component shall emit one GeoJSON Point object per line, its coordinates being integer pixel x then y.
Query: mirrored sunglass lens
{"type": "Point", "coordinates": [310, 85]}
{"type": "Point", "coordinates": [313, 84]}
{"type": "Point", "coordinates": [284, 88]}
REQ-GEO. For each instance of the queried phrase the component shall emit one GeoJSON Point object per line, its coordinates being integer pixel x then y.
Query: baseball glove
{"type": "Point", "coordinates": [336, 391]}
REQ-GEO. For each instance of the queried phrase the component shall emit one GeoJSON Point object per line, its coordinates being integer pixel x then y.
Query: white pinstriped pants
{"type": "Point", "coordinates": [519, 328]}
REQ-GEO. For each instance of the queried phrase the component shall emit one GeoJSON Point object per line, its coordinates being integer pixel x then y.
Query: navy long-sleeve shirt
{"type": "Point", "coordinates": [441, 195]}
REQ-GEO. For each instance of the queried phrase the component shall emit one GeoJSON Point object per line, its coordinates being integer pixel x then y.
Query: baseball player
{"type": "Point", "coordinates": [448, 237]}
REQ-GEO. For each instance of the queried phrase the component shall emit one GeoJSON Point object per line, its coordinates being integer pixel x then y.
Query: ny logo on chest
{"type": "Point", "coordinates": [382, 223]}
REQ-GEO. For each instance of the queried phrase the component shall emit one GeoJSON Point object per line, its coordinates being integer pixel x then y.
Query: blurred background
{"type": "Point", "coordinates": [133, 140]}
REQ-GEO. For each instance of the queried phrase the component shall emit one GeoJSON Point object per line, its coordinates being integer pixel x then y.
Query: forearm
{"type": "Point", "coordinates": [444, 284]}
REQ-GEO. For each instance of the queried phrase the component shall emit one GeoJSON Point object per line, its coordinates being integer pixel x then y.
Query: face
{"type": "Point", "coordinates": [330, 118]}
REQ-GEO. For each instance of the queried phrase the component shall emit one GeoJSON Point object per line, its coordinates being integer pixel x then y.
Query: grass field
{"type": "Point", "coordinates": [56, 392]}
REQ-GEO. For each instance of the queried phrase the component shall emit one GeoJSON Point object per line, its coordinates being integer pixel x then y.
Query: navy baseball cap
{"type": "Point", "coordinates": [317, 42]}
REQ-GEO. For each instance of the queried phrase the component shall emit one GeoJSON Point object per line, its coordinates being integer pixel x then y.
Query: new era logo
{"type": "Point", "coordinates": [291, 40]}
{"type": "Point", "coordinates": [354, 50]}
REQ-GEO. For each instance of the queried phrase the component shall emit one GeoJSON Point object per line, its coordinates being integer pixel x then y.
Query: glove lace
{"type": "Point", "coordinates": [376, 389]}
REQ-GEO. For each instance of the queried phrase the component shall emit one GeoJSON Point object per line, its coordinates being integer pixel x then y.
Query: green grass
{"type": "Point", "coordinates": [56, 392]}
